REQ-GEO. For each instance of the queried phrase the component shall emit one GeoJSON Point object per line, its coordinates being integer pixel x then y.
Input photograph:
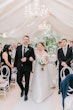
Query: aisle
{"type": "Point", "coordinates": [11, 98]}
{"type": "Point", "coordinates": [31, 105]}
{"type": "Point", "coordinates": [15, 102]}
{"type": "Point", "coordinates": [57, 100]}
{"type": "Point", "coordinates": [53, 102]}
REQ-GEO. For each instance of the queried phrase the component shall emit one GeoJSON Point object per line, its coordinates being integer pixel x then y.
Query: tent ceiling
{"type": "Point", "coordinates": [15, 23]}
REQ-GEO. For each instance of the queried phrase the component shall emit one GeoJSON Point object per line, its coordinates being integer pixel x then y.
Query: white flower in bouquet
{"type": "Point", "coordinates": [42, 62]}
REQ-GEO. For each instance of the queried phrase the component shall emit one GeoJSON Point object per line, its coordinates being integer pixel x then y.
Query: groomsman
{"type": "Point", "coordinates": [64, 57]}
{"type": "Point", "coordinates": [23, 61]}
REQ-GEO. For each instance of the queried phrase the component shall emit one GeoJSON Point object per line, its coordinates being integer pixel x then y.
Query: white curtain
{"type": "Point", "coordinates": [15, 24]}
{"type": "Point", "coordinates": [61, 16]}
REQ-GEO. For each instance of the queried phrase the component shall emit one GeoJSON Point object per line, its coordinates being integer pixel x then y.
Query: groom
{"type": "Point", "coordinates": [23, 61]}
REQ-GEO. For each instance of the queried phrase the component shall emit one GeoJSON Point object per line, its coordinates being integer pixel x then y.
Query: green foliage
{"type": "Point", "coordinates": [50, 40]}
{"type": "Point", "coordinates": [50, 44]}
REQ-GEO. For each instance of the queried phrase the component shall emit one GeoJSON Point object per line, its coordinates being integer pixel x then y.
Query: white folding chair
{"type": "Point", "coordinates": [62, 73]}
{"type": "Point", "coordinates": [69, 99]}
{"type": "Point", "coordinates": [72, 66]}
{"type": "Point", "coordinates": [14, 77]}
{"type": "Point", "coordinates": [69, 103]}
{"type": "Point", "coordinates": [4, 87]}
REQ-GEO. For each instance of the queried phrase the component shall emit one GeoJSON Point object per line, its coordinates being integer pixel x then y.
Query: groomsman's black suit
{"type": "Point", "coordinates": [72, 53]}
{"type": "Point", "coordinates": [62, 57]}
{"type": "Point", "coordinates": [24, 68]}
{"type": "Point", "coordinates": [0, 56]}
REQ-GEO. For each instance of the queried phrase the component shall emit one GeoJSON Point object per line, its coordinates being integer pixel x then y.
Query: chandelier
{"type": "Point", "coordinates": [36, 9]}
{"type": "Point", "coordinates": [44, 26]}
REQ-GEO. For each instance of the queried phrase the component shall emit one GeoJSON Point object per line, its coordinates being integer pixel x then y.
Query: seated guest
{"type": "Point", "coordinates": [6, 58]}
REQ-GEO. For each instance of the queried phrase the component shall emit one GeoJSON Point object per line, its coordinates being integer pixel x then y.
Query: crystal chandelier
{"type": "Point", "coordinates": [36, 9]}
{"type": "Point", "coordinates": [44, 26]}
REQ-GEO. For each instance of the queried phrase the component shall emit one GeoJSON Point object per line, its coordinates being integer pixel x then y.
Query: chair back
{"type": "Point", "coordinates": [5, 72]}
{"type": "Point", "coordinates": [66, 87]}
{"type": "Point", "coordinates": [63, 74]}
{"type": "Point", "coordinates": [72, 66]}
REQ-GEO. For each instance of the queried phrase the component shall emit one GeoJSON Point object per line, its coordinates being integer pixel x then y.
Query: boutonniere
{"type": "Point", "coordinates": [26, 49]}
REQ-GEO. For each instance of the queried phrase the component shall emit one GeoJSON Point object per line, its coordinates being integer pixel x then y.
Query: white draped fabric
{"type": "Point", "coordinates": [14, 23]}
{"type": "Point", "coordinates": [61, 11]}
{"type": "Point", "coordinates": [61, 16]}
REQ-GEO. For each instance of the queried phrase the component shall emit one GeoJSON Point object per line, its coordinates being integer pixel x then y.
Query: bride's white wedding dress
{"type": "Point", "coordinates": [41, 81]}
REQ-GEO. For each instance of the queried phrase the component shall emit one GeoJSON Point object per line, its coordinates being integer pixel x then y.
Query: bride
{"type": "Point", "coordinates": [40, 83]}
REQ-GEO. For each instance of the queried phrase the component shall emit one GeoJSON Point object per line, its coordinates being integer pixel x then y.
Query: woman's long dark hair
{"type": "Point", "coordinates": [6, 48]}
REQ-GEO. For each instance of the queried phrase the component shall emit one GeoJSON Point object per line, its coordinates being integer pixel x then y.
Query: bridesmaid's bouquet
{"type": "Point", "coordinates": [42, 62]}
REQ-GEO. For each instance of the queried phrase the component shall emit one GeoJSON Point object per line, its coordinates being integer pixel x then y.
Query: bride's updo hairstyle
{"type": "Point", "coordinates": [41, 43]}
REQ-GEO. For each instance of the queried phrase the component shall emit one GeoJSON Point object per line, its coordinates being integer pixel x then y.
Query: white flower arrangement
{"type": "Point", "coordinates": [42, 62]}
{"type": "Point", "coordinates": [26, 49]}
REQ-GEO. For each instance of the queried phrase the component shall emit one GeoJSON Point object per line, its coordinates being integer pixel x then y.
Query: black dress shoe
{"type": "Point", "coordinates": [22, 93]}
{"type": "Point", "coordinates": [59, 92]}
{"type": "Point", "coordinates": [25, 98]}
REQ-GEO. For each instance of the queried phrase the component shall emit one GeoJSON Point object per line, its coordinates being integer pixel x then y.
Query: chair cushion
{"type": "Point", "coordinates": [4, 84]}
{"type": "Point", "coordinates": [2, 81]}
{"type": "Point", "coordinates": [69, 102]}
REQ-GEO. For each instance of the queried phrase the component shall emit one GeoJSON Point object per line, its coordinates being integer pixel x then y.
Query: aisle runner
{"type": "Point", "coordinates": [31, 105]}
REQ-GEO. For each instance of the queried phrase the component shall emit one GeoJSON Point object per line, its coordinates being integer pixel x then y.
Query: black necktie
{"type": "Point", "coordinates": [72, 53]}
{"type": "Point", "coordinates": [24, 51]}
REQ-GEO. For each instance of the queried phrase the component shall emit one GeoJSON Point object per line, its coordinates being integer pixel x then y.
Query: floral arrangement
{"type": "Point", "coordinates": [26, 49]}
{"type": "Point", "coordinates": [42, 62]}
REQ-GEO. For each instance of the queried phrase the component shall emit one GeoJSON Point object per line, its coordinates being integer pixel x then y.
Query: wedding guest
{"type": "Point", "coordinates": [6, 58]}
{"type": "Point", "coordinates": [14, 46]}
{"type": "Point", "coordinates": [23, 61]}
{"type": "Point", "coordinates": [18, 44]}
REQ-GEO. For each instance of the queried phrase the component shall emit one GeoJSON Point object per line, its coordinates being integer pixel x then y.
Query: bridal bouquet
{"type": "Point", "coordinates": [42, 62]}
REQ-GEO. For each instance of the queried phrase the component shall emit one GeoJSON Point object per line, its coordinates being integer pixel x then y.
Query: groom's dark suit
{"type": "Point", "coordinates": [63, 58]}
{"type": "Point", "coordinates": [24, 68]}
